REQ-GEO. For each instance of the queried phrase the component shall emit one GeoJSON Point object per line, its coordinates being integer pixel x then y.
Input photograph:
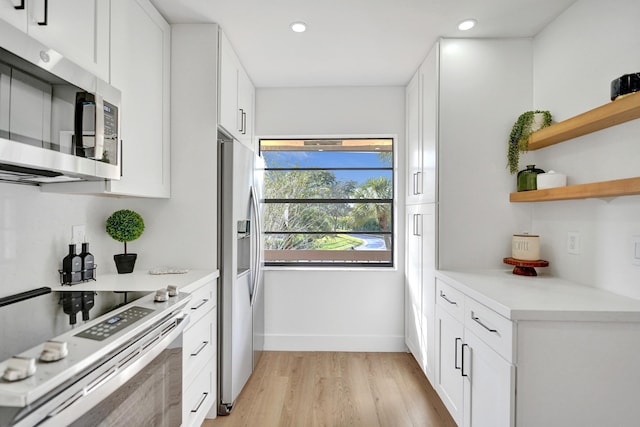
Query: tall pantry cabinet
{"type": "Point", "coordinates": [422, 133]}
{"type": "Point", "coordinates": [461, 104]}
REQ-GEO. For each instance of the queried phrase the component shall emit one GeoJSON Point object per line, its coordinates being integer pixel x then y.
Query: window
{"type": "Point", "coordinates": [328, 202]}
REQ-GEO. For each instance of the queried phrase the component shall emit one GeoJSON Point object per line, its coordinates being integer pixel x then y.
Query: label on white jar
{"type": "Point", "coordinates": [525, 247]}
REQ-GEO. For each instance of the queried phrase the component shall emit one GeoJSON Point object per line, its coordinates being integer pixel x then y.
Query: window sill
{"type": "Point", "coordinates": [326, 268]}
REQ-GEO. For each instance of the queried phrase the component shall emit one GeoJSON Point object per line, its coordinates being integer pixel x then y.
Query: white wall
{"type": "Point", "coordinates": [575, 59]}
{"type": "Point", "coordinates": [485, 84]}
{"type": "Point", "coordinates": [335, 309]}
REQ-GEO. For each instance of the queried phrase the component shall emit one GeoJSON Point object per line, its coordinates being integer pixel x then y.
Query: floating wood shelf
{"type": "Point", "coordinates": [615, 188]}
{"type": "Point", "coordinates": [611, 114]}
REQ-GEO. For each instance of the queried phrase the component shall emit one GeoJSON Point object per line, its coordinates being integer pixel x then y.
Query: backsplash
{"type": "Point", "coordinates": [35, 230]}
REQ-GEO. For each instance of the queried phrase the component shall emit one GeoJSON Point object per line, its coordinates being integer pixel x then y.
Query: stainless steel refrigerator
{"type": "Point", "coordinates": [240, 293]}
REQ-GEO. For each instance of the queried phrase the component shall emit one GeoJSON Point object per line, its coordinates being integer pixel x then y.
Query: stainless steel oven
{"type": "Point", "coordinates": [124, 368]}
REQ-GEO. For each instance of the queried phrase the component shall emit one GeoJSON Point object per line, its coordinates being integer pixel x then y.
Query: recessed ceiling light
{"type": "Point", "coordinates": [467, 24]}
{"type": "Point", "coordinates": [298, 27]}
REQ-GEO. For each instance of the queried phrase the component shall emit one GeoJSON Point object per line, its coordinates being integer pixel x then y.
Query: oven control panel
{"type": "Point", "coordinates": [114, 324]}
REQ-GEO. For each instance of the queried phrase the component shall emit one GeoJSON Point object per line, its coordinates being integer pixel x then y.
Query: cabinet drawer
{"type": "Point", "coordinates": [202, 301]}
{"type": "Point", "coordinates": [199, 397]}
{"type": "Point", "coordinates": [199, 345]}
{"type": "Point", "coordinates": [450, 299]}
{"type": "Point", "coordinates": [495, 330]}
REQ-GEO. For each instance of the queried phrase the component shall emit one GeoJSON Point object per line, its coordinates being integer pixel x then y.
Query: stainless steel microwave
{"type": "Point", "coordinates": [58, 122]}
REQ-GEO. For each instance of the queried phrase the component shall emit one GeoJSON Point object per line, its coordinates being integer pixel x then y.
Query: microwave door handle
{"type": "Point", "coordinates": [82, 98]}
{"type": "Point", "coordinates": [99, 135]}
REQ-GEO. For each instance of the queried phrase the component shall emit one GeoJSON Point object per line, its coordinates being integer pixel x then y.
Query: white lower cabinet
{"type": "Point", "coordinates": [420, 285]}
{"type": "Point", "coordinates": [449, 380]}
{"type": "Point", "coordinates": [489, 385]}
{"type": "Point", "coordinates": [565, 355]}
{"type": "Point", "coordinates": [198, 398]}
{"type": "Point", "coordinates": [199, 359]}
{"type": "Point", "coordinates": [475, 382]}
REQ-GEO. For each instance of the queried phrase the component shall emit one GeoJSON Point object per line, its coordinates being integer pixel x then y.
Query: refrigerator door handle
{"type": "Point", "coordinates": [256, 240]}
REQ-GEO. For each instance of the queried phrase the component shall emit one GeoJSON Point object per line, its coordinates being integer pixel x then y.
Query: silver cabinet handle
{"type": "Point", "coordinates": [479, 322]}
{"type": "Point", "coordinates": [418, 186]}
{"type": "Point", "coordinates": [202, 347]}
{"type": "Point", "coordinates": [462, 372]}
{"type": "Point", "coordinates": [46, 14]}
{"type": "Point", "coordinates": [455, 353]}
{"type": "Point", "coordinates": [202, 399]}
{"type": "Point", "coordinates": [241, 130]}
{"type": "Point", "coordinates": [444, 297]}
{"type": "Point", "coordinates": [244, 123]}
{"type": "Point", "coordinates": [415, 183]}
{"type": "Point", "coordinates": [203, 302]}
{"type": "Point", "coordinates": [416, 230]}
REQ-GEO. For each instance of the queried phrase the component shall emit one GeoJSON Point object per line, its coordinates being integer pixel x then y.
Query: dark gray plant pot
{"type": "Point", "coordinates": [125, 262]}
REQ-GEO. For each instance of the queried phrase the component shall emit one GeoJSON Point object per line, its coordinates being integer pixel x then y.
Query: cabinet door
{"type": "Point", "coordinates": [414, 139]}
{"type": "Point", "coordinates": [78, 29]}
{"type": "Point", "coordinates": [489, 386]}
{"type": "Point", "coordinates": [428, 281]}
{"type": "Point", "coordinates": [15, 17]}
{"type": "Point", "coordinates": [430, 83]}
{"type": "Point", "coordinates": [246, 108]}
{"type": "Point", "coordinates": [449, 380]}
{"type": "Point", "coordinates": [413, 283]}
{"type": "Point", "coordinates": [140, 50]}
{"type": "Point", "coordinates": [230, 117]}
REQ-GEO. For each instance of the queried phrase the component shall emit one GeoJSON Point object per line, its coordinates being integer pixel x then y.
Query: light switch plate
{"type": "Point", "coordinates": [77, 234]}
{"type": "Point", "coordinates": [573, 242]}
{"type": "Point", "coordinates": [635, 250]}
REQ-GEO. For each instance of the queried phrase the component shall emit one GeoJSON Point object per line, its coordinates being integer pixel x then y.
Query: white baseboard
{"type": "Point", "coordinates": [359, 343]}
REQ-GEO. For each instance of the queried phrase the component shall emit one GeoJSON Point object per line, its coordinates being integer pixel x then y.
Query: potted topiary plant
{"type": "Point", "coordinates": [124, 226]}
{"type": "Point", "coordinates": [527, 123]}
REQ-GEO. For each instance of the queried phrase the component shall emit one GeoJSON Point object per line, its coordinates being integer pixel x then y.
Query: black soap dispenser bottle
{"type": "Point", "coordinates": [72, 266]}
{"type": "Point", "coordinates": [87, 263]}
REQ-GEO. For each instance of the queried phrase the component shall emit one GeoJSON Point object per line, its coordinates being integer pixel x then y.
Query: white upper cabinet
{"type": "Point", "coordinates": [422, 131]}
{"type": "Point", "coordinates": [140, 68]}
{"type": "Point", "coordinates": [430, 104]}
{"type": "Point", "coordinates": [77, 29]}
{"type": "Point", "coordinates": [235, 96]}
{"type": "Point", "coordinates": [414, 138]}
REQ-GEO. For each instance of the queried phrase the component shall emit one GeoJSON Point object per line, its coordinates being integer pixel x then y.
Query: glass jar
{"type": "Point", "coordinates": [527, 178]}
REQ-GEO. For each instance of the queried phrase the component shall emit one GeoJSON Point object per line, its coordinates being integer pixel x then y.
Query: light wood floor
{"type": "Point", "coordinates": [301, 389]}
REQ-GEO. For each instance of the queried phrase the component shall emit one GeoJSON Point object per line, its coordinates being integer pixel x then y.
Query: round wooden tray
{"type": "Point", "coordinates": [525, 268]}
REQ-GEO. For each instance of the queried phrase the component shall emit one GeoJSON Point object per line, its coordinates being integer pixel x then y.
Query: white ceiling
{"type": "Point", "coordinates": [352, 42]}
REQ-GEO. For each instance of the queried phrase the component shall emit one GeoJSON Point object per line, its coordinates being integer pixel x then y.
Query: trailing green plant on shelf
{"type": "Point", "coordinates": [527, 123]}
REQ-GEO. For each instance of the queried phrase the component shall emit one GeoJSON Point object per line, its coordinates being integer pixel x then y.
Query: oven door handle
{"type": "Point", "coordinates": [73, 407]}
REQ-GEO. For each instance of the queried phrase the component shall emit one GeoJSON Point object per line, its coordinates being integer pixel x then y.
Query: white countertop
{"type": "Point", "coordinates": [541, 297]}
{"type": "Point", "coordinates": [142, 281]}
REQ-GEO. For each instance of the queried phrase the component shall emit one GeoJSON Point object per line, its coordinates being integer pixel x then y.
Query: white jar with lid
{"type": "Point", "coordinates": [525, 247]}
